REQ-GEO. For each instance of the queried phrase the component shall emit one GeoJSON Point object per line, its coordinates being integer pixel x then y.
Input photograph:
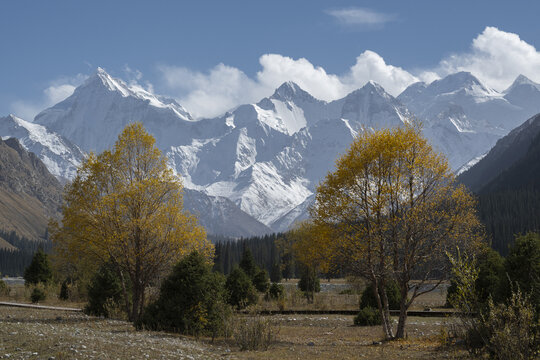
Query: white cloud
{"type": "Point", "coordinates": [371, 66]}
{"type": "Point", "coordinates": [360, 16]}
{"type": "Point", "coordinates": [496, 57]}
{"type": "Point", "coordinates": [224, 87]}
{"type": "Point", "coordinates": [59, 90]}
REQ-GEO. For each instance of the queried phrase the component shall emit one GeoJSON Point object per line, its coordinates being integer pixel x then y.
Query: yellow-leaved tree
{"type": "Point", "coordinates": [125, 207]}
{"type": "Point", "coordinates": [391, 212]}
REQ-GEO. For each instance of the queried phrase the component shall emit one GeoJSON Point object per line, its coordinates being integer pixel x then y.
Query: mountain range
{"type": "Point", "coordinates": [255, 169]}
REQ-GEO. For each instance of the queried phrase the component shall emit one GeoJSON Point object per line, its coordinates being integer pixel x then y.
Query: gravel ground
{"type": "Point", "coordinates": [44, 334]}
{"type": "Point", "coordinates": [54, 334]}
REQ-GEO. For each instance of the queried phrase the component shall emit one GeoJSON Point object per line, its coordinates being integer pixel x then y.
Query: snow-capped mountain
{"type": "Point", "coordinates": [524, 93]}
{"type": "Point", "coordinates": [462, 117]}
{"type": "Point", "coordinates": [98, 110]}
{"type": "Point", "coordinates": [267, 158]}
{"type": "Point", "coordinates": [60, 155]}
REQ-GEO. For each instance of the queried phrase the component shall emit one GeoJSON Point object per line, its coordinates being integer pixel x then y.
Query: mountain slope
{"type": "Point", "coordinates": [29, 194]}
{"type": "Point", "coordinates": [220, 216]}
{"type": "Point", "coordinates": [507, 151]}
{"type": "Point", "coordinates": [59, 155]}
{"type": "Point", "coordinates": [507, 181]}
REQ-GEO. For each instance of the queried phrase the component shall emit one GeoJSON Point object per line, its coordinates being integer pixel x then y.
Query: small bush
{"type": "Point", "coordinates": [38, 294]}
{"type": "Point", "coordinates": [275, 292]}
{"type": "Point", "coordinates": [510, 330]}
{"type": "Point", "coordinates": [4, 288]}
{"type": "Point", "coordinates": [368, 316]}
{"type": "Point", "coordinates": [240, 289]}
{"type": "Point", "coordinates": [309, 283]}
{"type": "Point", "coordinates": [254, 333]}
{"type": "Point", "coordinates": [392, 292]}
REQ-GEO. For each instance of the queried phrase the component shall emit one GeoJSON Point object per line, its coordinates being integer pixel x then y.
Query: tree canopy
{"type": "Point", "coordinates": [391, 211]}
{"type": "Point", "coordinates": [125, 207]}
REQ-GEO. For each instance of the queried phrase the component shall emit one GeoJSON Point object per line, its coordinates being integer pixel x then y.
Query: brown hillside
{"type": "Point", "coordinates": [29, 194]}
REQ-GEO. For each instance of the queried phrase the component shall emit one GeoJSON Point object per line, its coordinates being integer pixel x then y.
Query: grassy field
{"type": "Point", "coordinates": [47, 334]}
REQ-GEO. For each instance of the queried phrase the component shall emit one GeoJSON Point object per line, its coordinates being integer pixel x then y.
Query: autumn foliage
{"type": "Point", "coordinates": [125, 208]}
{"type": "Point", "coordinates": [390, 212]}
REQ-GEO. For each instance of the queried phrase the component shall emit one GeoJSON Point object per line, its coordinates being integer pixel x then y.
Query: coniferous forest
{"type": "Point", "coordinates": [13, 262]}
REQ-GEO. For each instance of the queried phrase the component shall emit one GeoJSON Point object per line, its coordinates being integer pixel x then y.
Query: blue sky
{"type": "Point", "coordinates": [212, 55]}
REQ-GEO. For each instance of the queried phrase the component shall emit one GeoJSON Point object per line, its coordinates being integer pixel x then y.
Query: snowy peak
{"type": "Point", "coordinates": [102, 81]}
{"type": "Point", "coordinates": [290, 91]}
{"type": "Point", "coordinates": [98, 110]}
{"type": "Point", "coordinates": [372, 107]}
{"type": "Point", "coordinates": [461, 81]}
{"type": "Point", "coordinates": [522, 81]}
{"type": "Point", "coordinates": [412, 91]}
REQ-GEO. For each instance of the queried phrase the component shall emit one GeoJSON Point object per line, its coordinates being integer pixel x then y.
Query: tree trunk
{"type": "Point", "coordinates": [400, 332]}
{"type": "Point", "coordinates": [383, 308]}
{"type": "Point", "coordinates": [387, 321]}
{"type": "Point", "coordinates": [134, 316]}
{"type": "Point", "coordinates": [403, 307]}
{"type": "Point", "coordinates": [125, 293]}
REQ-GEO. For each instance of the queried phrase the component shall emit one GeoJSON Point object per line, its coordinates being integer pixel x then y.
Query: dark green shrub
{"type": "Point", "coordinates": [104, 291]}
{"type": "Point", "coordinates": [491, 276]}
{"type": "Point", "coordinates": [275, 292]}
{"type": "Point", "coordinates": [38, 294]}
{"type": "Point", "coordinates": [523, 267]}
{"type": "Point", "coordinates": [309, 283]}
{"type": "Point", "coordinates": [192, 300]}
{"type": "Point", "coordinates": [261, 281]}
{"type": "Point", "coordinates": [368, 316]}
{"type": "Point", "coordinates": [241, 290]}
{"type": "Point", "coordinates": [64, 291]}
{"type": "Point", "coordinates": [392, 292]}
{"type": "Point", "coordinates": [39, 270]}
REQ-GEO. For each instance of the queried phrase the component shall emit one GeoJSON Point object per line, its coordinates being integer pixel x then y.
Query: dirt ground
{"type": "Point", "coordinates": [46, 334]}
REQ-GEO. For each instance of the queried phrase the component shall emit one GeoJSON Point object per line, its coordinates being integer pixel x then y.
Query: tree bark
{"type": "Point", "coordinates": [403, 307]}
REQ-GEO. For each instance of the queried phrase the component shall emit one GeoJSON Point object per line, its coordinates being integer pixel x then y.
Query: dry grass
{"type": "Point", "coordinates": [44, 334]}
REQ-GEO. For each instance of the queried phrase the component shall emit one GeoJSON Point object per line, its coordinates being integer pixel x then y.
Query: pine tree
{"type": "Point", "coordinates": [39, 270]}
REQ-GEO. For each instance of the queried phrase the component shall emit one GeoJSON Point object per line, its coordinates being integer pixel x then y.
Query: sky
{"type": "Point", "coordinates": [214, 55]}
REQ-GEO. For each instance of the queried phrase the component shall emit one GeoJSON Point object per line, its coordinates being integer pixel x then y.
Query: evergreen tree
{"type": "Point", "coordinates": [192, 300]}
{"type": "Point", "coordinates": [247, 264]}
{"type": "Point", "coordinates": [39, 270]}
{"type": "Point", "coordinates": [240, 288]}
{"type": "Point", "coordinates": [275, 274]}
{"type": "Point", "coordinates": [523, 266]}
{"type": "Point", "coordinates": [104, 290]}
{"type": "Point", "coordinates": [309, 283]}
{"type": "Point", "coordinates": [261, 281]}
